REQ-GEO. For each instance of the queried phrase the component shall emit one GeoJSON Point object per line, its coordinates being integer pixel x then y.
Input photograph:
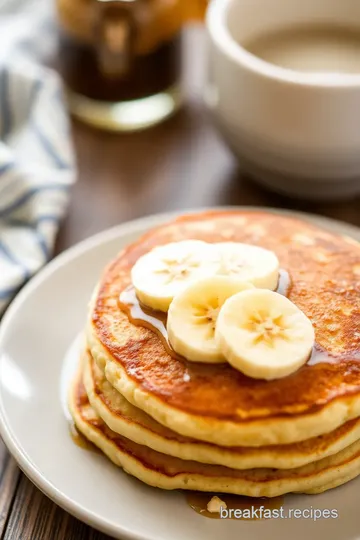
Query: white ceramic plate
{"type": "Point", "coordinates": [37, 357]}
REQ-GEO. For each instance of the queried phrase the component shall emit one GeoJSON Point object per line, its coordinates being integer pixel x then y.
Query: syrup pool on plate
{"type": "Point", "coordinates": [198, 501]}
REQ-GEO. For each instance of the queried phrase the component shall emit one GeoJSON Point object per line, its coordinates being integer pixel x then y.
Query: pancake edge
{"type": "Point", "coordinates": [277, 430]}
{"type": "Point", "coordinates": [201, 451]}
{"type": "Point", "coordinates": [199, 482]}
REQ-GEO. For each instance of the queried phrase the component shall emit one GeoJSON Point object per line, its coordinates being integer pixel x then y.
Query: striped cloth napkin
{"type": "Point", "coordinates": [36, 156]}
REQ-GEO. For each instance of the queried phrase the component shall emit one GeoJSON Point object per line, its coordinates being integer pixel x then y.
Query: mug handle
{"type": "Point", "coordinates": [115, 32]}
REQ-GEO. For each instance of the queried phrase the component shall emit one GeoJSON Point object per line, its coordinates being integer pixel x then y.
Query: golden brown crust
{"type": "Point", "coordinates": [325, 272]}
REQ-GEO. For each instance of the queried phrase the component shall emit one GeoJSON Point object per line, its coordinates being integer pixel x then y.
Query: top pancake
{"type": "Point", "coordinates": [197, 400]}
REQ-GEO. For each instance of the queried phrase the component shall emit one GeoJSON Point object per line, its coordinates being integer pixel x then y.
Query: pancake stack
{"type": "Point", "coordinates": [175, 423]}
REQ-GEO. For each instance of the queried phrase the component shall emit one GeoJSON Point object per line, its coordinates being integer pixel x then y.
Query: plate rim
{"type": "Point", "coordinates": [139, 225]}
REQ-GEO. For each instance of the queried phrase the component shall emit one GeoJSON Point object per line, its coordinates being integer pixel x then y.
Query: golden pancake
{"type": "Point", "coordinates": [168, 472]}
{"type": "Point", "coordinates": [134, 424]}
{"type": "Point", "coordinates": [217, 403]}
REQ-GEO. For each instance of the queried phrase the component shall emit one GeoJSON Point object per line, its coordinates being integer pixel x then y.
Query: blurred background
{"type": "Point", "coordinates": [180, 163]}
{"type": "Point", "coordinates": [134, 74]}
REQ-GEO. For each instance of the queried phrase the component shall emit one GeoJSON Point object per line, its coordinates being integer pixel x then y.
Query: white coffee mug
{"type": "Point", "coordinates": [296, 132]}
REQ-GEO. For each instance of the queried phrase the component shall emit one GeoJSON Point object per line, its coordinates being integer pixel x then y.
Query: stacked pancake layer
{"type": "Point", "coordinates": [177, 424]}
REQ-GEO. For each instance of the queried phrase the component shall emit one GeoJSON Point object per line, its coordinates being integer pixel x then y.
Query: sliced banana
{"type": "Point", "coordinates": [263, 334]}
{"type": "Point", "coordinates": [166, 270]}
{"type": "Point", "coordinates": [193, 314]}
{"type": "Point", "coordinates": [257, 265]}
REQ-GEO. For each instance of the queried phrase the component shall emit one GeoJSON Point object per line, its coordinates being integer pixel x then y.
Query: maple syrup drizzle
{"type": "Point", "coordinates": [198, 501]}
{"type": "Point", "coordinates": [81, 441]}
{"type": "Point", "coordinates": [141, 315]}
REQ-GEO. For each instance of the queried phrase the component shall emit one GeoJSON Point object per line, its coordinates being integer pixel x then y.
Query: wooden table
{"type": "Point", "coordinates": [178, 165]}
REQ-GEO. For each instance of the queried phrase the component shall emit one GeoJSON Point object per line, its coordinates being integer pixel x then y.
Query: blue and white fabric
{"type": "Point", "coordinates": [36, 156]}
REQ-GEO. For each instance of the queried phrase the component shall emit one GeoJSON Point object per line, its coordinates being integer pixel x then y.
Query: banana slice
{"type": "Point", "coordinates": [249, 263]}
{"type": "Point", "coordinates": [263, 334]}
{"type": "Point", "coordinates": [166, 270]}
{"type": "Point", "coordinates": [193, 314]}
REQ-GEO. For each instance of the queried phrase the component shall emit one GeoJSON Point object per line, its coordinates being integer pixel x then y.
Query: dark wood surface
{"type": "Point", "coordinates": [178, 165]}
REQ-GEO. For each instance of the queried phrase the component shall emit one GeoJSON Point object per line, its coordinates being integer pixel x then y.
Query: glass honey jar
{"type": "Point", "coordinates": [121, 59]}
